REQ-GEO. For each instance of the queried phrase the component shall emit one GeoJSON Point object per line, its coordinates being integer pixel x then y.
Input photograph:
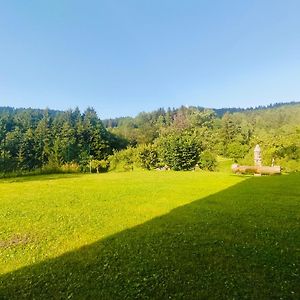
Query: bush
{"type": "Point", "coordinates": [289, 165]}
{"type": "Point", "coordinates": [236, 150]}
{"type": "Point", "coordinates": [147, 156]}
{"type": "Point", "coordinates": [123, 160]}
{"type": "Point", "coordinates": [71, 167]}
{"type": "Point", "coordinates": [52, 168]}
{"type": "Point", "coordinates": [207, 161]}
{"type": "Point", "coordinates": [179, 151]}
{"type": "Point", "coordinates": [99, 165]}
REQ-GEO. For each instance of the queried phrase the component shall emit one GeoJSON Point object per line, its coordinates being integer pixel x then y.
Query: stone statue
{"type": "Point", "coordinates": [257, 156]}
{"type": "Point", "coordinates": [258, 169]}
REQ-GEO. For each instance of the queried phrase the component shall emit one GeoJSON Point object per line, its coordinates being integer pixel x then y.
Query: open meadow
{"type": "Point", "coordinates": [150, 235]}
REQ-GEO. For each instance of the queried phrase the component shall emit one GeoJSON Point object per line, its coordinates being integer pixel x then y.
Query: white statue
{"type": "Point", "coordinates": [257, 156]}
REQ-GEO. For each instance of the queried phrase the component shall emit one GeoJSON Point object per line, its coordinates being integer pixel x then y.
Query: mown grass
{"type": "Point", "coordinates": [144, 235]}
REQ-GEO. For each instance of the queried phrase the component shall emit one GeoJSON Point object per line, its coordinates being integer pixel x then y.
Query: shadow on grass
{"type": "Point", "coordinates": [240, 243]}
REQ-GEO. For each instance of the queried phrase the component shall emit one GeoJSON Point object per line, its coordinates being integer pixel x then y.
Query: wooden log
{"type": "Point", "coordinates": [263, 170]}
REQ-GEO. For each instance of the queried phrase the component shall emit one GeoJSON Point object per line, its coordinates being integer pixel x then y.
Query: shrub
{"type": "Point", "coordinates": [289, 165]}
{"type": "Point", "coordinates": [179, 151]}
{"type": "Point", "coordinates": [236, 150]}
{"type": "Point", "coordinates": [99, 165]}
{"type": "Point", "coordinates": [123, 160]}
{"type": "Point", "coordinates": [52, 168]}
{"type": "Point", "coordinates": [207, 161]}
{"type": "Point", "coordinates": [71, 167]}
{"type": "Point", "coordinates": [147, 156]}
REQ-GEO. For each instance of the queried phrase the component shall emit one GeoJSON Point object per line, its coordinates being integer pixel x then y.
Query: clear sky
{"type": "Point", "coordinates": [126, 56]}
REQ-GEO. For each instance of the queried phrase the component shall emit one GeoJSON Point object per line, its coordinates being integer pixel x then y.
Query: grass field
{"type": "Point", "coordinates": [150, 235]}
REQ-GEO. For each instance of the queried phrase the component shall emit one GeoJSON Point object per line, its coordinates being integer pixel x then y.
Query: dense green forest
{"type": "Point", "coordinates": [180, 139]}
{"type": "Point", "coordinates": [48, 140]}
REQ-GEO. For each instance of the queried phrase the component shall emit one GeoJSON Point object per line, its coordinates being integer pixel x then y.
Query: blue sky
{"type": "Point", "coordinates": [126, 56]}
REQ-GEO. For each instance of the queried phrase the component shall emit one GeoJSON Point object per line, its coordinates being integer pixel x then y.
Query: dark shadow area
{"type": "Point", "coordinates": [241, 243]}
{"type": "Point", "coordinates": [40, 177]}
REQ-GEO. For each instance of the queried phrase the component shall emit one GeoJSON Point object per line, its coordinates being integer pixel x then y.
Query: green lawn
{"type": "Point", "coordinates": [140, 235]}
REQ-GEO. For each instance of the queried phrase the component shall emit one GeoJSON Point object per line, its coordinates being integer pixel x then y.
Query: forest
{"type": "Point", "coordinates": [185, 138]}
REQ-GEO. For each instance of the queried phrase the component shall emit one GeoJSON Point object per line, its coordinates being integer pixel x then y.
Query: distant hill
{"type": "Point", "coordinates": [221, 111]}
{"type": "Point", "coordinates": [12, 110]}
{"type": "Point", "coordinates": [119, 121]}
{"type": "Point", "coordinates": [113, 122]}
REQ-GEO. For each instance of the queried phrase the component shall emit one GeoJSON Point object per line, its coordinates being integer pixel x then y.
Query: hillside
{"type": "Point", "coordinates": [32, 139]}
{"type": "Point", "coordinates": [231, 134]}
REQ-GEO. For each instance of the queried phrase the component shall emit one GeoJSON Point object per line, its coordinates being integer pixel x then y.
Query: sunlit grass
{"type": "Point", "coordinates": [45, 216]}
{"type": "Point", "coordinates": [150, 235]}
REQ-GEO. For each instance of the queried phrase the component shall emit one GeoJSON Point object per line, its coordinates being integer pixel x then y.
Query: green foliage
{"type": "Point", "coordinates": [51, 168]}
{"type": "Point", "coordinates": [8, 165]}
{"type": "Point", "coordinates": [147, 156]}
{"type": "Point", "coordinates": [123, 160]}
{"type": "Point", "coordinates": [33, 139]}
{"type": "Point", "coordinates": [289, 165]}
{"type": "Point", "coordinates": [179, 151]}
{"type": "Point", "coordinates": [99, 165]}
{"type": "Point", "coordinates": [27, 155]}
{"type": "Point", "coordinates": [46, 140]}
{"type": "Point", "coordinates": [70, 167]}
{"type": "Point", "coordinates": [290, 152]}
{"type": "Point", "coordinates": [84, 161]}
{"type": "Point", "coordinates": [236, 150]}
{"type": "Point", "coordinates": [207, 161]}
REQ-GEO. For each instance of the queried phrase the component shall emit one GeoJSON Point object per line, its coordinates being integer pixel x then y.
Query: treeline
{"type": "Point", "coordinates": [32, 139]}
{"type": "Point", "coordinates": [221, 111]}
{"type": "Point", "coordinates": [180, 139]}
{"type": "Point", "coordinates": [116, 122]}
{"type": "Point", "coordinates": [193, 136]}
